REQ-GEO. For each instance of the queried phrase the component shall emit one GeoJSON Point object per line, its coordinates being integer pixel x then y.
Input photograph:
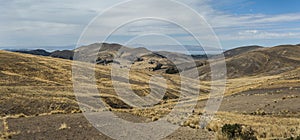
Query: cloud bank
{"type": "Point", "coordinates": [60, 22]}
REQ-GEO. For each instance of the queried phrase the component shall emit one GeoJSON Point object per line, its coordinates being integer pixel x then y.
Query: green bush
{"type": "Point", "coordinates": [172, 70]}
{"type": "Point", "coordinates": [157, 67]}
{"type": "Point", "coordinates": [234, 131]}
{"type": "Point", "coordinates": [248, 134]}
{"type": "Point", "coordinates": [294, 138]}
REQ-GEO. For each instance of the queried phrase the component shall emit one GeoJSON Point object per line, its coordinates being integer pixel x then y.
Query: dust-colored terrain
{"type": "Point", "coordinates": [262, 94]}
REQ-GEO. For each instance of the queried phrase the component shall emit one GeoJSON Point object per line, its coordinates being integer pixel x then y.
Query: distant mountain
{"type": "Point", "coordinates": [34, 52]}
{"type": "Point", "coordinates": [255, 61]}
{"type": "Point", "coordinates": [240, 50]}
{"type": "Point", "coordinates": [183, 49]}
{"type": "Point", "coordinates": [243, 61]}
{"type": "Point", "coordinates": [137, 58]}
{"type": "Point", "coordinates": [46, 48]}
{"type": "Point", "coordinates": [104, 53]}
{"type": "Point", "coordinates": [65, 54]}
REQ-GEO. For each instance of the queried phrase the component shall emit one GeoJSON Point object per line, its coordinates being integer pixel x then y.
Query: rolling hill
{"type": "Point", "coordinates": [240, 50]}
{"type": "Point", "coordinates": [262, 90]}
{"type": "Point", "coordinates": [257, 61]}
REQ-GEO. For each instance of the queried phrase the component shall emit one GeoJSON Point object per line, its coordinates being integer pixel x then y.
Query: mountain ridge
{"type": "Point", "coordinates": [241, 61]}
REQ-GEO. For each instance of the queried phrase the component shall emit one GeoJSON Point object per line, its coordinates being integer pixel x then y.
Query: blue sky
{"type": "Point", "coordinates": [271, 7]}
{"type": "Point", "coordinates": [41, 23]}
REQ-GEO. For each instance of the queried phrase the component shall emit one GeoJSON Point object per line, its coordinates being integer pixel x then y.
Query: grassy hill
{"type": "Point", "coordinates": [262, 93]}
{"type": "Point", "coordinates": [257, 61]}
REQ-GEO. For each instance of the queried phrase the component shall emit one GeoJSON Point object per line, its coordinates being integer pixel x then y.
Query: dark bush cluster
{"type": "Point", "coordinates": [294, 138]}
{"type": "Point", "coordinates": [138, 59]}
{"type": "Point", "coordinates": [234, 131]}
{"type": "Point", "coordinates": [157, 67]}
{"type": "Point", "coordinates": [172, 70]}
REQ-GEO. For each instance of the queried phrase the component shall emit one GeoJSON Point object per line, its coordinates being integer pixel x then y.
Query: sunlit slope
{"type": "Point", "coordinates": [34, 85]}
{"type": "Point", "coordinates": [259, 62]}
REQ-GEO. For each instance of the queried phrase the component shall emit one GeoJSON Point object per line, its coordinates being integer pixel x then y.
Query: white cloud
{"type": "Point", "coordinates": [59, 19]}
{"type": "Point", "coordinates": [249, 32]}
{"type": "Point", "coordinates": [255, 34]}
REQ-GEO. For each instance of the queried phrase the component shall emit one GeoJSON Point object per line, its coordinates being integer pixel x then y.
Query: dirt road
{"type": "Point", "coordinates": [76, 127]}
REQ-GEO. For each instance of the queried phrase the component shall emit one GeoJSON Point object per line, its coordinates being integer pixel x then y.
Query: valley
{"type": "Point", "coordinates": [262, 92]}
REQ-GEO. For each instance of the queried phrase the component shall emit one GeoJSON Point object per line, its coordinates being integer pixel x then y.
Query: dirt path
{"type": "Point", "coordinates": [76, 127]}
{"type": "Point", "coordinates": [278, 102]}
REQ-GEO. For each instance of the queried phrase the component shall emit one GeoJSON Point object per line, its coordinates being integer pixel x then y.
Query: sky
{"type": "Point", "coordinates": [61, 24]}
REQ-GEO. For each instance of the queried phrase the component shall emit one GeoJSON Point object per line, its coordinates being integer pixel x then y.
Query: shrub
{"type": "Point", "coordinates": [63, 126]}
{"type": "Point", "coordinates": [294, 138]}
{"type": "Point", "coordinates": [138, 59]}
{"type": "Point", "coordinates": [172, 70]}
{"type": "Point", "coordinates": [248, 134]}
{"type": "Point", "coordinates": [157, 67]}
{"type": "Point", "coordinates": [235, 131]}
{"type": "Point", "coordinates": [232, 130]}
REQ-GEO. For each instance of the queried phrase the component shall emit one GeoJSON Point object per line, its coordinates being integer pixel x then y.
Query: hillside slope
{"type": "Point", "coordinates": [240, 50]}
{"type": "Point", "coordinates": [29, 81]}
{"type": "Point", "coordinates": [263, 84]}
{"type": "Point", "coordinates": [260, 62]}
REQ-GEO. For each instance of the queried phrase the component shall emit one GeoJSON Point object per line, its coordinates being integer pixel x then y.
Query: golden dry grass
{"type": "Point", "coordinates": [265, 127]}
{"type": "Point", "coordinates": [35, 85]}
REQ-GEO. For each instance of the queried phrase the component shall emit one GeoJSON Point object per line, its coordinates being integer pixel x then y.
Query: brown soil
{"type": "Point", "coordinates": [78, 128]}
